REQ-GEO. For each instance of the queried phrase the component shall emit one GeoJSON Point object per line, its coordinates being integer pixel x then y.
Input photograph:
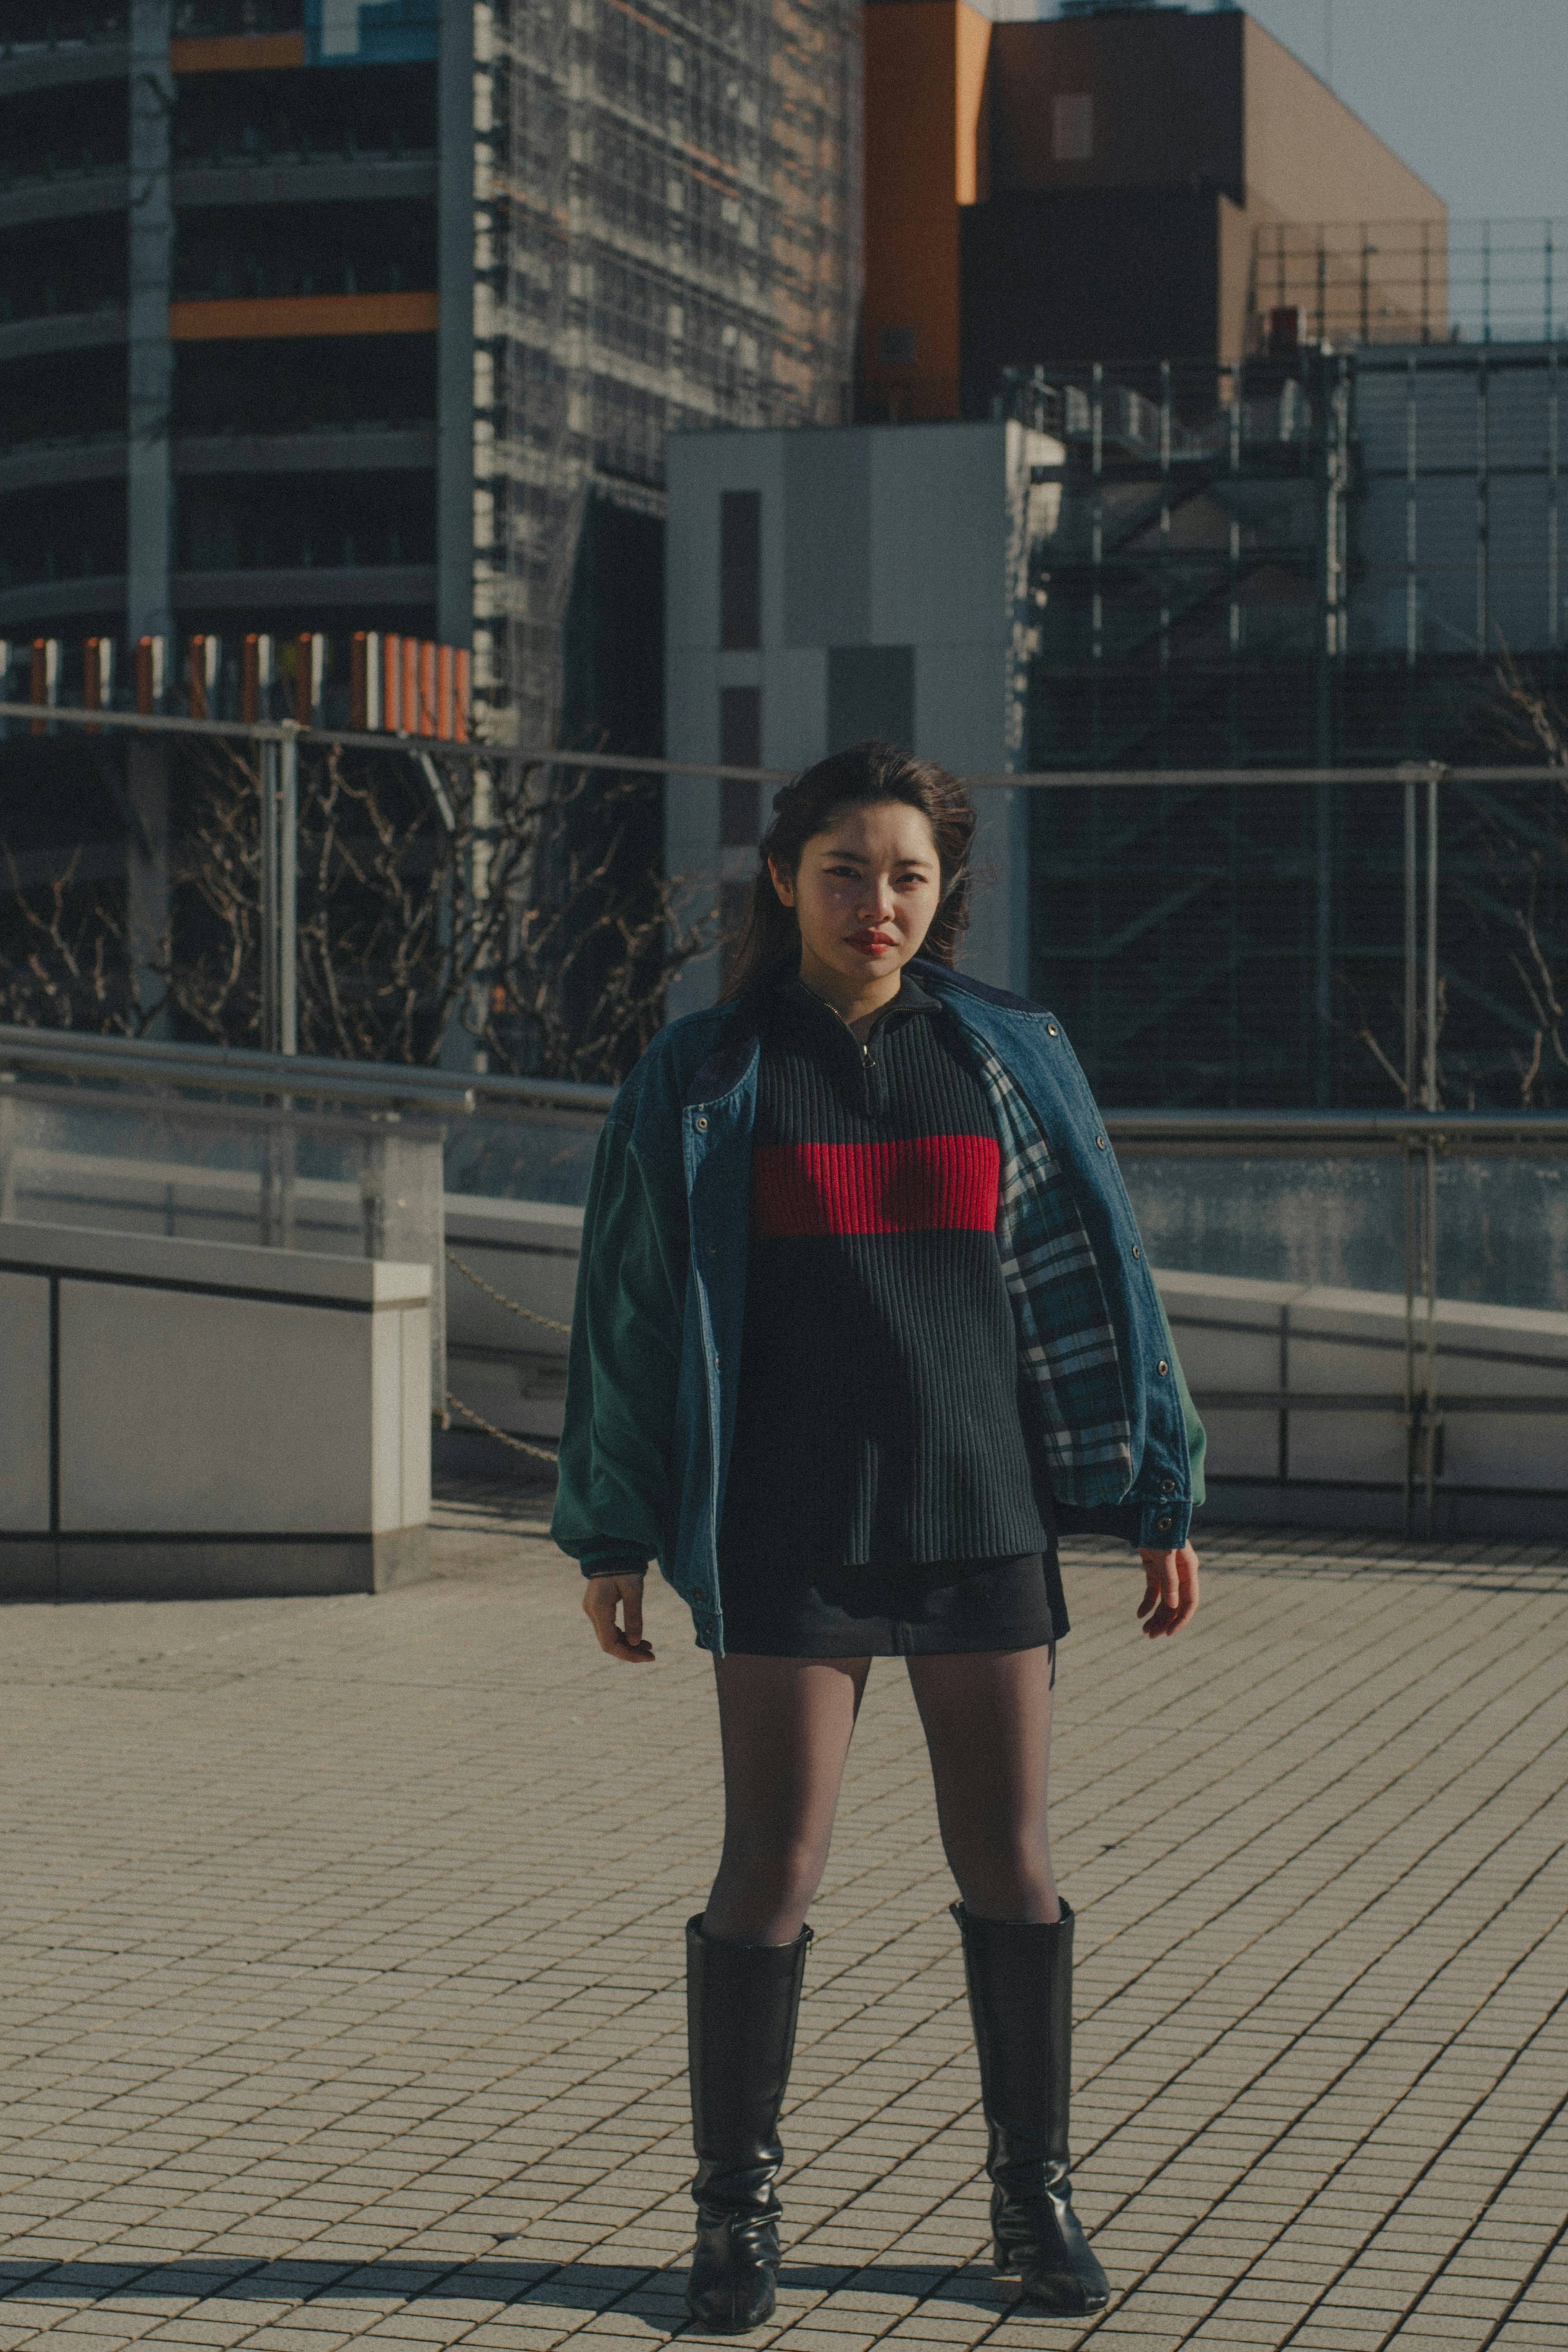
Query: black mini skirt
{"type": "Point", "coordinates": [941, 1609]}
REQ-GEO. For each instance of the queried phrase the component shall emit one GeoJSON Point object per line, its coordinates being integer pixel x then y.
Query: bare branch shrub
{"type": "Point", "coordinates": [525, 904]}
{"type": "Point", "coordinates": [62, 964]}
{"type": "Point", "coordinates": [1502, 998]}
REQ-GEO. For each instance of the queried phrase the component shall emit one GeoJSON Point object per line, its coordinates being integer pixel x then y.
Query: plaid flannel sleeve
{"type": "Point", "coordinates": [1067, 1342]}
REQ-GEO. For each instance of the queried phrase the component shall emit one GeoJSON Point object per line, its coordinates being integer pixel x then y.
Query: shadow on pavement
{"type": "Point", "coordinates": [486, 2278]}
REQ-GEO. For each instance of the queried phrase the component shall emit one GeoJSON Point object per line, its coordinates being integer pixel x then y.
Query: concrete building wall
{"type": "Point", "coordinates": [892, 570]}
{"type": "Point", "coordinates": [1094, 188]}
{"type": "Point", "coordinates": [925, 75]}
{"type": "Point", "coordinates": [198, 1418]}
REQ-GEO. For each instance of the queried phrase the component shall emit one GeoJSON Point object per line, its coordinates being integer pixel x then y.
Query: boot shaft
{"type": "Point", "coordinates": [1019, 1979]}
{"type": "Point", "coordinates": [742, 2004]}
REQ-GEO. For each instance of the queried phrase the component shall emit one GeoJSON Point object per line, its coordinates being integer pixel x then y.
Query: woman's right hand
{"type": "Point", "coordinates": [603, 1597]}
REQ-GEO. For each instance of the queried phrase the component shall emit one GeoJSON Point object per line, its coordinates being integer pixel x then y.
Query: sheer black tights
{"type": "Point", "coordinates": [786, 1725]}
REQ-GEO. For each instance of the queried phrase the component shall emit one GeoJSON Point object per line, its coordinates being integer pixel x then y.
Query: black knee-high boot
{"type": "Point", "coordinates": [1021, 1998]}
{"type": "Point", "coordinates": [742, 2000]}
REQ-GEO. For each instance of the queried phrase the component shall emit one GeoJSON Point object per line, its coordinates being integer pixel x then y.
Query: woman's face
{"type": "Point", "coordinates": [865, 893]}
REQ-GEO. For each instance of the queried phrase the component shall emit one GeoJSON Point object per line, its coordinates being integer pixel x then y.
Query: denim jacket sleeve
{"type": "Point", "coordinates": [619, 1490]}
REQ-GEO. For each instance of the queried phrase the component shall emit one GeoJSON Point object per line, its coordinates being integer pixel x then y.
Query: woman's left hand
{"type": "Point", "coordinates": [1170, 1588]}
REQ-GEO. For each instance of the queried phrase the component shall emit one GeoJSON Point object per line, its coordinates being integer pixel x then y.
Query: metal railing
{"type": "Point", "coordinates": [1420, 1143]}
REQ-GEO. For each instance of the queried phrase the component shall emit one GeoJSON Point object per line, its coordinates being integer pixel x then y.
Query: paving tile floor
{"type": "Point", "coordinates": [340, 1948]}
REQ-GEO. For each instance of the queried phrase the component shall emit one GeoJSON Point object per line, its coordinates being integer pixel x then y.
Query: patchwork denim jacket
{"type": "Point", "coordinates": [654, 1362]}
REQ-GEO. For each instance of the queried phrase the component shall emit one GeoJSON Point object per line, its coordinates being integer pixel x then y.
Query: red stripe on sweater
{"type": "Point", "coordinates": [933, 1183]}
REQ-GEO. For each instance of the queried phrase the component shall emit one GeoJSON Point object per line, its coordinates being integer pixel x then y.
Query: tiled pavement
{"type": "Point", "coordinates": [339, 1948]}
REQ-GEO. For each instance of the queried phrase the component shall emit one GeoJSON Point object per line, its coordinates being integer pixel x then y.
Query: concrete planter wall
{"type": "Point", "coordinates": [1302, 1393]}
{"type": "Point", "coordinates": [1267, 1360]}
{"type": "Point", "coordinates": [193, 1418]}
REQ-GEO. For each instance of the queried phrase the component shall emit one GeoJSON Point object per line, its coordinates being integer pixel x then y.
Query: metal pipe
{"type": "Point", "coordinates": [1408, 1197]}
{"type": "Point", "coordinates": [1045, 779]}
{"type": "Point", "coordinates": [268, 909]}
{"type": "Point", "coordinates": [1430, 1097]}
{"type": "Point", "coordinates": [288, 861]}
{"type": "Point", "coordinates": [1429, 1189]}
{"type": "Point", "coordinates": [317, 1077]}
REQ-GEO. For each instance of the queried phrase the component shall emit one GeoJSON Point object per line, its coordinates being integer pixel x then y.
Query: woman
{"type": "Point", "coordinates": [863, 1321]}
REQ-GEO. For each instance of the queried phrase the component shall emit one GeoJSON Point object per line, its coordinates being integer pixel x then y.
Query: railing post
{"type": "Point", "coordinates": [268, 762]}
{"type": "Point", "coordinates": [278, 762]}
{"type": "Point", "coordinates": [1429, 1204]}
{"type": "Point", "coordinates": [288, 889]}
{"type": "Point", "coordinates": [1409, 1188]}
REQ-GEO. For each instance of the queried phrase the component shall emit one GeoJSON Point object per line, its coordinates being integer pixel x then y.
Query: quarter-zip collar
{"type": "Point", "coordinates": [860, 1067]}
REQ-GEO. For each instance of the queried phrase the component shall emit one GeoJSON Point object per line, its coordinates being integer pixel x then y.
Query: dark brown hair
{"type": "Point", "coordinates": [859, 778]}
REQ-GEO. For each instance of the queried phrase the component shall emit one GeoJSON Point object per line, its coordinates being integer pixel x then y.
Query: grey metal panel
{"type": "Point", "coordinates": [827, 539]}
{"type": "Point", "coordinates": [308, 452]}
{"type": "Point", "coordinates": [359, 584]}
{"type": "Point", "coordinates": [1447, 415]}
{"type": "Point", "coordinates": [938, 520]}
{"type": "Point", "coordinates": [304, 183]}
{"type": "Point", "coordinates": [1380, 418]}
{"type": "Point", "coordinates": [52, 200]}
{"type": "Point", "coordinates": [99, 460]}
{"type": "Point", "coordinates": [34, 602]}
{"type": "Point", "coordinates": [1446, 562]}
{"type": "Point", "coordinates": [75, 330]}
{"type": "Point", "coordinates": [871, 693]}
{"type": "Point", "coordinates": [1517, 553]}
{"type": "Point", "coordinates": [1517, 421]}
{"type": "Point", "coordinates": [55, 67]}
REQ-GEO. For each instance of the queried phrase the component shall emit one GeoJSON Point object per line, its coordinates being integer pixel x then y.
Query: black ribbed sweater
{"type": "Point", "coordinates": [878, 1414]}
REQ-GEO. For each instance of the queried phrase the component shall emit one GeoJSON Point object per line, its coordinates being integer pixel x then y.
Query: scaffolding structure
{"type": "Point", "coordinates": [667, 237]}
{"type": "Point", "coordinates": [1318, 563]}
{"type": "Point", "coordinates": [1427, 281]}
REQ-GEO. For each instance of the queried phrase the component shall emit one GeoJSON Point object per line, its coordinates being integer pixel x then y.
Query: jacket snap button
{"type": "Point", "coordinates": [718, 1360]}
{"type": "Point", "coordinates": [1164, 1527]}
{"type": "Point", "coordinates": [1167, 1485]}
{"type": "Point", "coordinates": [1100, 1143]}
{"type": "Point", "coordinates": [700, 1124]}
{"type": "Point", "coordinates": [712, 1249]}
{"type": "Point", "coordinates": [1162, 1368]}
{"type": "Point", "coordinates": [1051, 1029]}
{"type": "Point", "coordinates": [1137, 1251]}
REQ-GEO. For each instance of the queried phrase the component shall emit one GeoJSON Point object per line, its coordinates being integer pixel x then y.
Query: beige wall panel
{"type": "Point", "coordinates": [414, 1447]}
{"type": "Point", "coordinates": [1240, 1445]}
{"type": "Point", "coordinates": [1308, 158]}
{"type": "Point", "coordinates": [184, 1414]}
{"type": "Point", "coordinates": [24, 1403]}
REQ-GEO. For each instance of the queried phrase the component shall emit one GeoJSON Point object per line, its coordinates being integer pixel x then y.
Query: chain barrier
{"type": "Point", "coordinates": [519, 1444]}
{"type": "Point", "coordinates": [501, 1300]}
{"type": "Point", "coordinates": [539, 1452]}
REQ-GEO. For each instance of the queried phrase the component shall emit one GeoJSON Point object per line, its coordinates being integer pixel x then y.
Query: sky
{"type": "Point", "coordinates": [1471, 93]}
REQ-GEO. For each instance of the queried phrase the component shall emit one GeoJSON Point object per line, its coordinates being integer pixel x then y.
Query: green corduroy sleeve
{"type": "Point", "coordinates": [1196, 1435]}
{"type": "Point", "coordinates": [615, 1504]}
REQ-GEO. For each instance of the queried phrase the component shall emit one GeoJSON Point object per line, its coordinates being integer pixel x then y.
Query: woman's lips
{"type": "Point", "coordinates": [870, 943]}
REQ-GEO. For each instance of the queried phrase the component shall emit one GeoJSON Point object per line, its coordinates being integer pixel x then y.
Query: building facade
{"type": "Point", "coordinates": [1334, 561]}
{"type": "Point", "coordinates": [667, 237]}
{"type": "Point", "coordinates": [1101, 186]}
{"type": "Point", "coordinates": [235, 389]}
{"type": "Point", "coordinates": [825, 588]}
{"type": "Point", "coordinates": [326, 315]}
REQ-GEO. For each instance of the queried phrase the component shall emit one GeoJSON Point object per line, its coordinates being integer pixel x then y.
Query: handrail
{"type": "Point", "coordinates": [1324, 1129]}
{"type": "Point", "coordinates": [73, 1053]}
{"type": "Point", "coordinates": [391, 1084]}
{"type": "Point", "coordinates": [274, 730]}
